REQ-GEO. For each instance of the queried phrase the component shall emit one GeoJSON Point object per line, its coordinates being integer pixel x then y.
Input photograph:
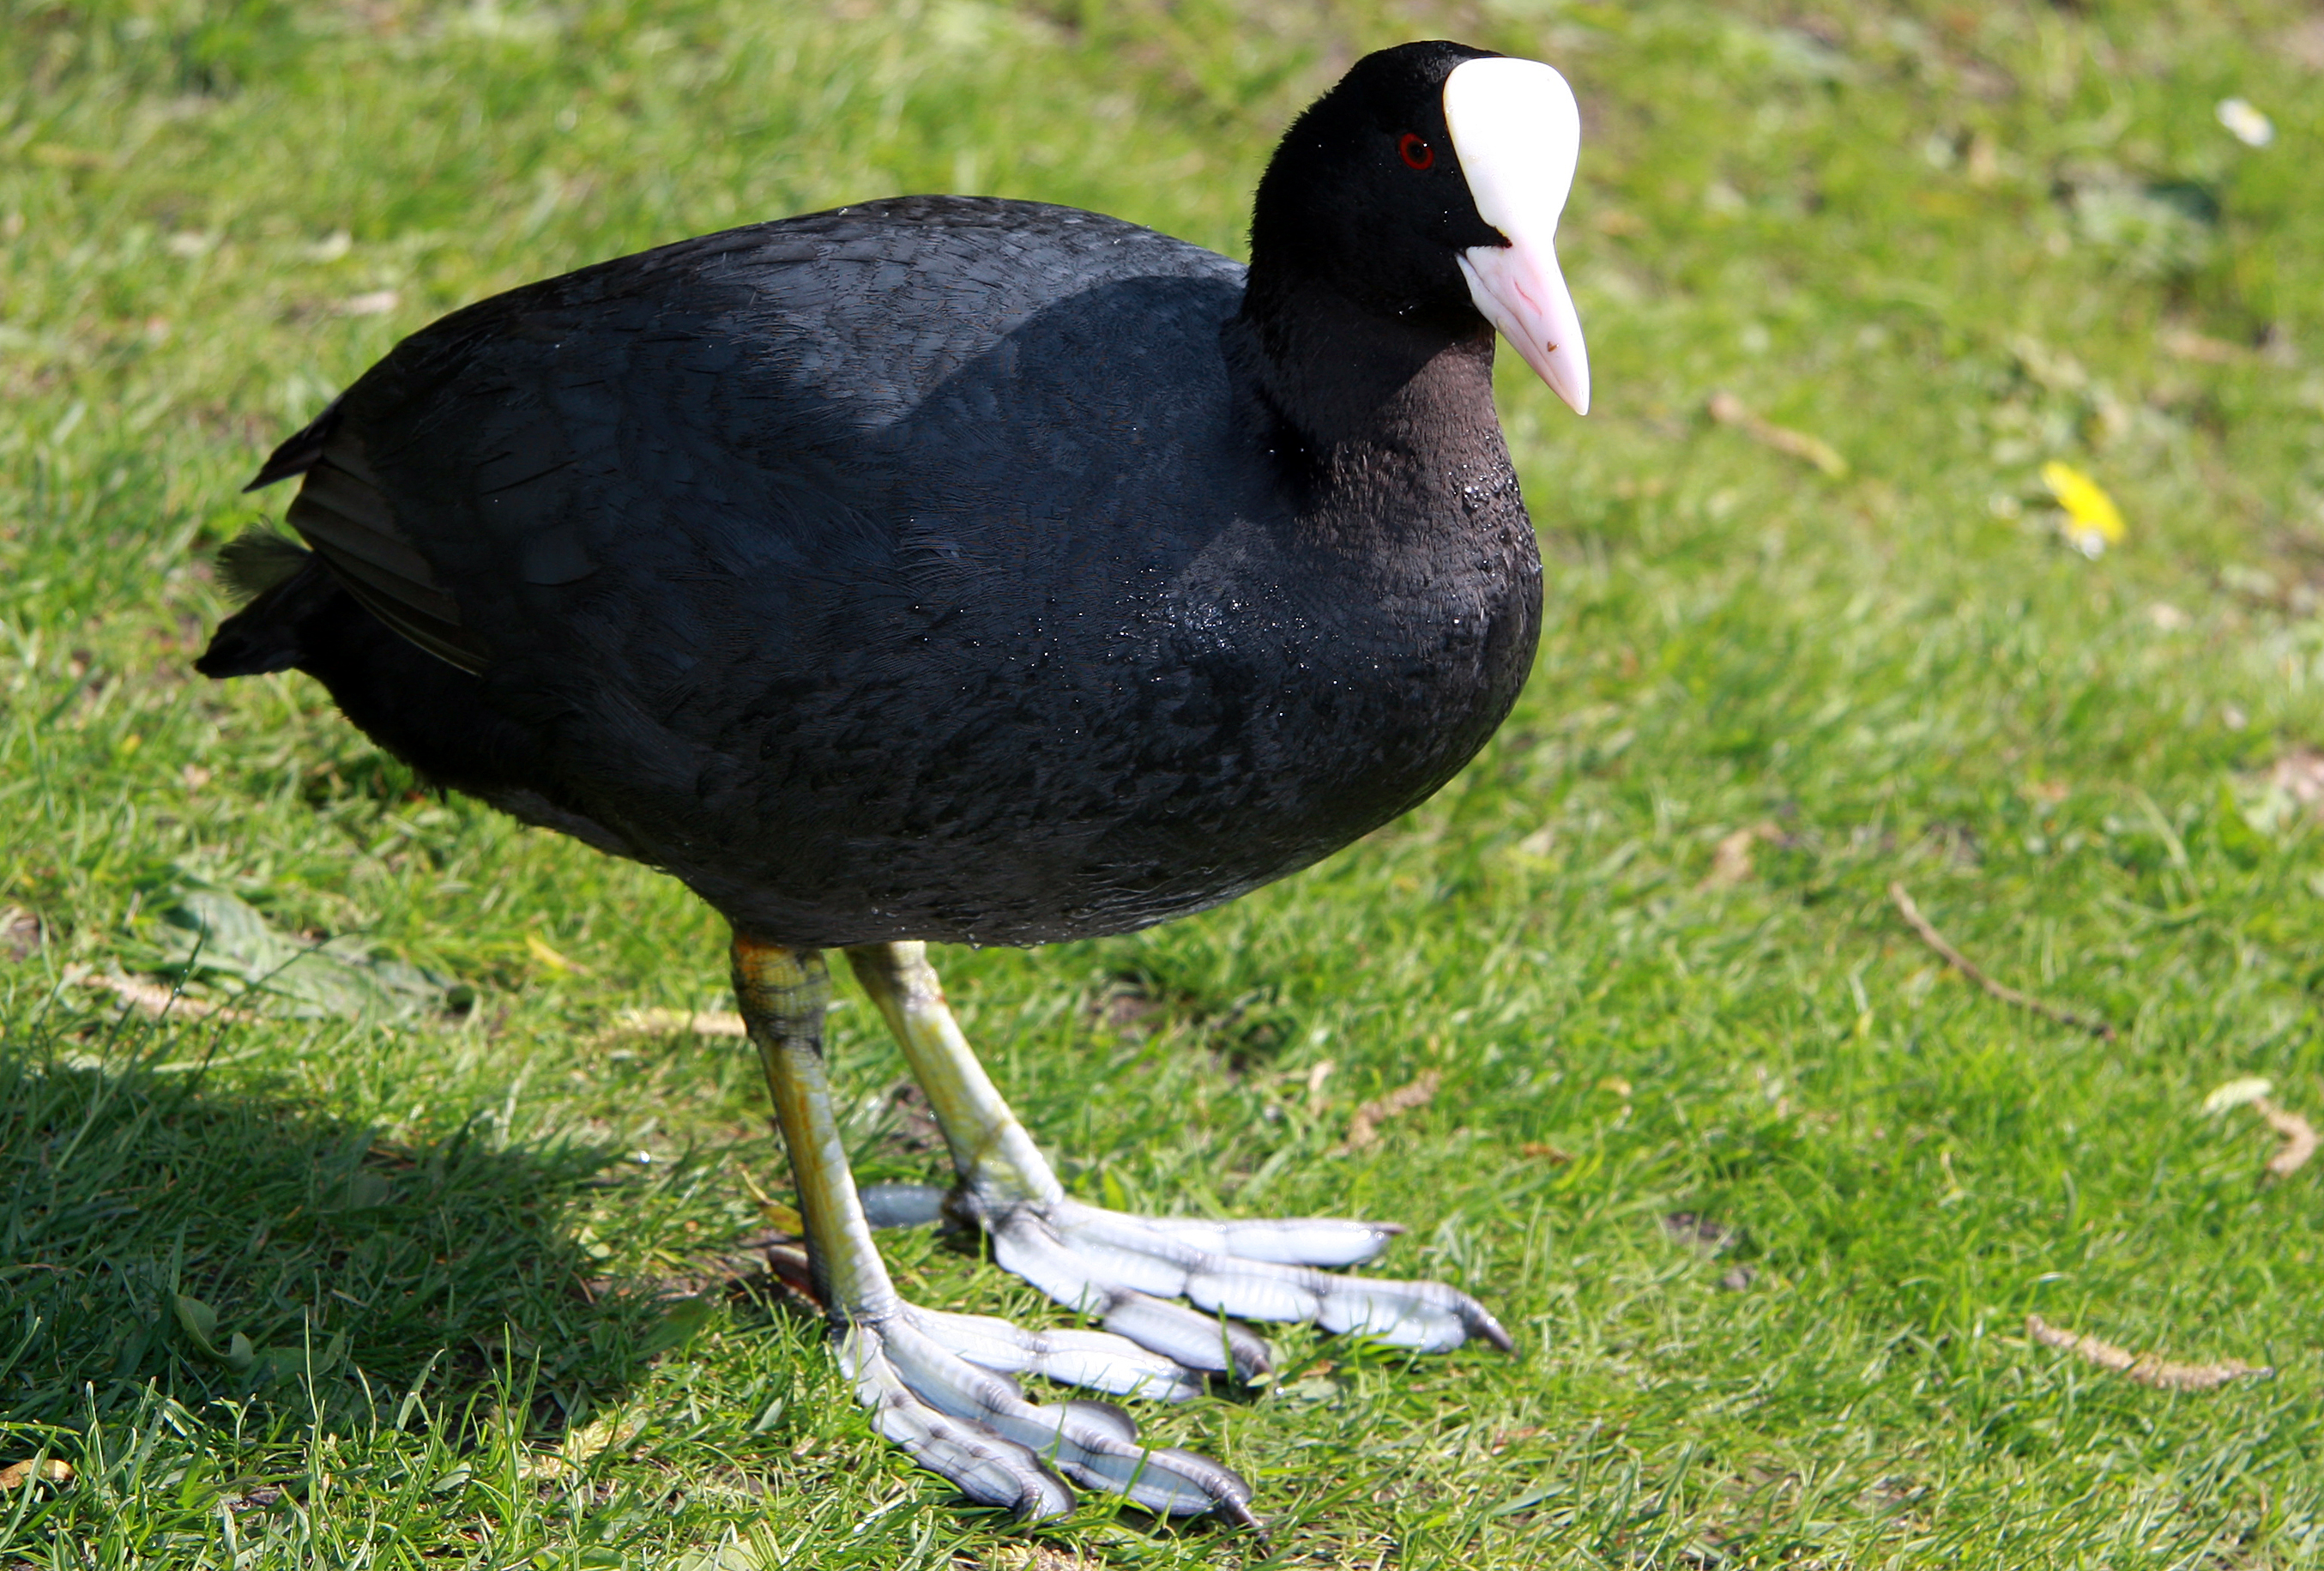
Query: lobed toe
{"type": "Point", "coordinates": [1313, 1241]}
{"type": "Point", "coordinates": [1198, 1341]}
{"type": "Point", "coordinates": [1125, 1268]}
{"type": "Point", "coordinates": [1091, 1443]}
{"type": "Point", "coordinates": [986, 1468]}
{"type": "Point", "coordinates": [1094, 1360]}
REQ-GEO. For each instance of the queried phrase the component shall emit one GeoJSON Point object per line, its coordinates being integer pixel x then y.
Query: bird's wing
{"type": "Point", "coordinates": [343, 512]}
{"type": "Point", "coordinates": [689, 411]}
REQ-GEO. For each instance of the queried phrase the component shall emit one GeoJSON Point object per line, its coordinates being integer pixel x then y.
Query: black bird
{"type": "Point", "coordinates": [959, 570]}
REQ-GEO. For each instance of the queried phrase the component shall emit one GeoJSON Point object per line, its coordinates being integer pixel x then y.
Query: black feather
{"type": "Point", "coordinates": [257, 560]}
{"type": "Point", "coordinates": [299, 453]}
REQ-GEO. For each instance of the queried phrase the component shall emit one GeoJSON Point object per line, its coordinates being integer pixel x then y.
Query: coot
{"type": "Point", "coordinates": [950, 569]}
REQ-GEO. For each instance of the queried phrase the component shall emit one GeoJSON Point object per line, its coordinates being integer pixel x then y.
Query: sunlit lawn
{"type": "Point", "coordinates": [1766, 1189]}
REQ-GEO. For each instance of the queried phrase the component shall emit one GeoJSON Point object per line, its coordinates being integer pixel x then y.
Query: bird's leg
{"type": "Point", "coordinates": [939, 1384]}
{"type": "Point", "coordinates": [1125, 1268]}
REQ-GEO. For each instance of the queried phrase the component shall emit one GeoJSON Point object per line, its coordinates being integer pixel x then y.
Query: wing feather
{"type": "Point", "coordinates": [342, 512]}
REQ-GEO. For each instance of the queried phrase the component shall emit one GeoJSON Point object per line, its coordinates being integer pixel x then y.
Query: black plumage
{"type": "Point", "coordinates": [943, 567]}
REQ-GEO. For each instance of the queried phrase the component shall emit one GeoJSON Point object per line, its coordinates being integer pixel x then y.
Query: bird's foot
{"type": "Point", "coordinates": [1125, 1269]}
{"type": "Point", "coordinates": [938, 1385]}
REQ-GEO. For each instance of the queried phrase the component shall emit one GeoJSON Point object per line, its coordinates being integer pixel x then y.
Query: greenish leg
{"type": "Point", "coordinates": [1127, 1269]}
{"type": "Point", "coordinates": [989, 1149]}
{"type": "Point", "coordinates": [938, 1384]}
{"type": "Point", "coordinates": [784, 993]}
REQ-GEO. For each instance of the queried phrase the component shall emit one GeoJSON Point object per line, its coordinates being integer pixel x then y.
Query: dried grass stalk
{"type": "Point", "coordinates": [2002, 991]}
{"type": "Point", "coordinates": [1730, 410]}
{"type": "Point", "coordinates": [2299, 1139]}
{"type": "Point", "coordinates": [2145, 1368]}
{"type": "Point", "coordinates": [703, 1022]}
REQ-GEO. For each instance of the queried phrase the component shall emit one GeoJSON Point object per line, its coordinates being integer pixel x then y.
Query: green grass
{"type": "Point", "coordinates": [1953, 243]}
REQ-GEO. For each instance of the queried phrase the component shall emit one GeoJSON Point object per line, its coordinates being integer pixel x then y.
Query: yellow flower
{"type": "Point", "coordinates": [2092, 521]}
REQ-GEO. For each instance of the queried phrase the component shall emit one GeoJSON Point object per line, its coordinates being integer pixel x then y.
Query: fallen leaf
{"type": "Point", "coordinates": [1362, 1129]}
{"type": "Point", "coordinates": [20, 933]}
{"type": "Point", "coordinates": [578, 1447]}
{"type": "Point", "coordinates": [52, 1470]}
{"type": "Point", "coordinates": [1730, 410]}
{"type": "Point", "coordinates": [1731, 862]}
{"type": "Point", "coordinates": [2145, 1368]}
{"type": "Point", "coordinates": [2188, 345]}
{"type": "Point", "coordinates": [1542, 1151]}
{"type": "Point", "coordinates": [2300, 774]}
{"type": "Point", "coordinates": [1125, 1008]}
{"type": "Point", "coordinates": [2093, 522]}
{"type": "Point", "coordinates": [789, 1265]}
{"type": "Point", "coordinates": [153, 1000]}
{"type": "Point", "coordinates": [221, 937]}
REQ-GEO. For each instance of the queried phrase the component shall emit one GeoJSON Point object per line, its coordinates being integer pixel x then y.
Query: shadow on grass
{"type": "Point", "coordinates": [161, 1234]}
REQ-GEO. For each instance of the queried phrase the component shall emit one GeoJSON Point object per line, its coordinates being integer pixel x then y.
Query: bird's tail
{"type": "Point", "coordinates": [284, 582]}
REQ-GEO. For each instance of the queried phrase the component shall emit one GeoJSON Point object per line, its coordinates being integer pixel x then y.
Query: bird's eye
{"type": "Point", "coordinates": [1417, 153]}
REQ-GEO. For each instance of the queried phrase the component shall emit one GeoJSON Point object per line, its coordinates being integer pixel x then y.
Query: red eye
{"type": "Point", "coordinates": [1416, 153]}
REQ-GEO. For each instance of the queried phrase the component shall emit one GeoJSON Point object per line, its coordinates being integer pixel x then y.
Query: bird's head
{"type": "Point", "coordinates": [1428, 183]}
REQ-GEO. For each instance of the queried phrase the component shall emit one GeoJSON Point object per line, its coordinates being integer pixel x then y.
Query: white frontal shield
{"type": "Point", "coordinates": [1517, 132]}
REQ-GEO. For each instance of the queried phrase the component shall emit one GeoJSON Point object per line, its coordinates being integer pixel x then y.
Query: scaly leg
{"type": "Point", "coordinates": [1123, 1268]}
{"type": "Point", "coordinates": [938, 1384]}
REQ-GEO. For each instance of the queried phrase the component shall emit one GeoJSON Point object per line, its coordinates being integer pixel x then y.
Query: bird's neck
{"type": "Point", "coordinates": [1353, 397]}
